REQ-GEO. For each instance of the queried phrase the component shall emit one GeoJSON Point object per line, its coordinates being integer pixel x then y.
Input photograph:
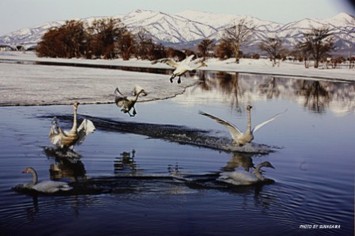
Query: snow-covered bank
{"type": "Point", "coordinates": [31, 84]}
{"type": "Point", "coordinates": [24, 84]}
{"type": "Point", "coordinates": [260, 66]}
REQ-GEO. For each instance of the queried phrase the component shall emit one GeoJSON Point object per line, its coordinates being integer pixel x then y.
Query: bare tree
{"type": "Point", "coordinates": [317, 43]}
{"type": "Point", "coordinates": [238, 34]}
{"type": "Point", "coordinates": [104, 36]}
{"type": "Point", "coordinates": [126, 45]}
{"type": "Point", "coordinates": [273, 47]}
{"type": "Point", "coordinates": [67, 41]}
{"type": "Point", "coordinates": [223, 49]}
{"type": "Point", "coordinates": [204, 46]}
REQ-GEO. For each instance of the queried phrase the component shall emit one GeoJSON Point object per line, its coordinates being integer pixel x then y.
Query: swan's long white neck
{"type": "Point", "coordinates": [34, 176]}
{"type": "Point", "coordinates": [249, 121]}
{"type": "Point", "coordinates": [75, 121]}
{"type": "Point", "coordinates": [137, 95]}
{"type": "Point", "coordinates": [258, 174]}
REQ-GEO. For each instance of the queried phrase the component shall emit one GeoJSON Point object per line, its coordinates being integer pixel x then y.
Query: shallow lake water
{"type": "Point", "coordinates": [134, 192]}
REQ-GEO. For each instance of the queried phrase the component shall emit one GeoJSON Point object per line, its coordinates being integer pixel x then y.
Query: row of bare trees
{"type": "Point", "coordinates": [109, 38]}
{"type": "Point", "coordinates": [104, 38]}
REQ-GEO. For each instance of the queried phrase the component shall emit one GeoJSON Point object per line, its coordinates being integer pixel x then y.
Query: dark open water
{"type": "Point", "coordinates": [134, 193]}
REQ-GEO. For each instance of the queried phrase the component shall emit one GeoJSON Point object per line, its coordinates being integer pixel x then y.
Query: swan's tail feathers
{"type": "Point", "coordinates": [269, 120]}
{"type": "Point", "coordinates": [65, 187]}
{"type": "Point", "coordinates": [168, 61]}
{"type": "Point", "coordinates": [86, 127]}
{"type": "Point", "coordinates": [138, 90]}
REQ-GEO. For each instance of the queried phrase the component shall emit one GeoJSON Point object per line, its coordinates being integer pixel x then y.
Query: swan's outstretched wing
{"type": "Point", "coordinates": [120, 99]}
{"type": "Point", "coordinates": [168, 61]}
{"type": "Point", "coordinates": [54, 132]}
{"type": "Point", "coordinates": [187, 60]}
{"type": "Point", "coordinates": [233, 130]}
{"type": "Point", "coordinates": [118, 93]}
{"type": "Point", "coordinates": [86, 127]}
{"type": "Point", "coordinates": [267, 121]}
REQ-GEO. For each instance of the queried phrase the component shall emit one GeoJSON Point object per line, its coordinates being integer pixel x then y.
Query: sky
{"type": "Point", "coordinates": [18, 14]}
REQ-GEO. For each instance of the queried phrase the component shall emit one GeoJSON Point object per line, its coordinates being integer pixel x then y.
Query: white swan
{"type": "Point", "coordinates": [47, 186]}
{"type": "Point", "coordinates": [239, 137]}
{"type": "Point", "coordinates": [76, 135]}
{"type": "Point", "coordinates": [242, 177]}
{"type": "Point", "coordinates": [127, 103]}
{"type": "Point", "coordinates": [181, 67]}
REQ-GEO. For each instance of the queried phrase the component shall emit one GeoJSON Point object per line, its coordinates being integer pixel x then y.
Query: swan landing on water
{"type": "Point", "coordinates": [47, 186]}
{"type": "Point", "coordinates": [181, 67]}
{"type": "Point", "coordinates": [242, 177]}
{"type": "Point", "coordinates": [76, 135]}
{"type": "Point", "coordinates": [238, 136]}
{"type": "Point", "coordinates": [126, 103]}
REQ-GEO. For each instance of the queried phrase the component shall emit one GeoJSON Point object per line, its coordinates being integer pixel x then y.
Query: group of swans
{"type": "Point", "coordinates": [66, 139]}
{"type": "Point", "coordinates": [181, 67]}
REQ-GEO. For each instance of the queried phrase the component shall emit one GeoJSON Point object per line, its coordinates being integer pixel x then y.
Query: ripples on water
{"type": "Point", "coordinates": [314, 181]}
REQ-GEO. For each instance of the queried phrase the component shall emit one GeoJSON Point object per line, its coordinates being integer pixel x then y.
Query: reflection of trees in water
{"type": "Point", "coordinates": [239, 89]}
{"type": "Point", "coordinates": [317, 98]}
{"type": "Point", "coordinates": [225, 83]}
{"type": "Point", "coordinates": [270, 88]}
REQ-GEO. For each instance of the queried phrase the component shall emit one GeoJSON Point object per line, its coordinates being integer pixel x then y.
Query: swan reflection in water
{"type": "Point", "coordinates": [63, 168]}
{"type": "Point", "coordinates": [241, 171]}
{"type": "Point", "coordinates": [125, 164]}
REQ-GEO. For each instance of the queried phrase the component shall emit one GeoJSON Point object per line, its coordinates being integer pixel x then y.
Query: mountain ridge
{"type": "Point", "coordinates": [188, 27]}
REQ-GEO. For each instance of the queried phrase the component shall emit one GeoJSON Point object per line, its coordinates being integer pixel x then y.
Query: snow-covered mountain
{"type": "Point", "coordinates": [189, 27]}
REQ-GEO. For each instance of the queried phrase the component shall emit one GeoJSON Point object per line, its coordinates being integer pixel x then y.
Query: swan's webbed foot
{"type": "Point", "coordinates": [133, 113]}
{"type": "Point", "coordinates": [171, 78]}
{"type": "Point", "coordinates": [179, 80]}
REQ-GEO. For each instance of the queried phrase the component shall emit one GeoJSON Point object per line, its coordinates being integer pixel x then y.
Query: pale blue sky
{"type": "Point", "coordinates": [17, 14]}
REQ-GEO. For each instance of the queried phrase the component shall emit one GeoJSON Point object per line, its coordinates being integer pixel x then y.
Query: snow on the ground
{"type": "Point", "coordinates": [28, 84]}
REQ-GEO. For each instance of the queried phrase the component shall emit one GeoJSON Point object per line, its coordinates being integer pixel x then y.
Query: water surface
{"type": "Point", "coordinates": [314, 170]}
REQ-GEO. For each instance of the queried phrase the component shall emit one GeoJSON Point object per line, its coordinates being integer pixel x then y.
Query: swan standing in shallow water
{"type": "Point", "coordinates": [47, 186]}
{"type": "Point", "coordinates": [239, 137]}
{"type": "Point", "coordinates": [127, 103]}
{"type": "Point", "coordinates": [181, 67]}
{"type": "Point", "coordinates": [242, 177]}
{"type": "Point", "coordinates": [76, 135]}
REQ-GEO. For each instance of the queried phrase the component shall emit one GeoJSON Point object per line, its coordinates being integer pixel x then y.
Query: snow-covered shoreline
{"type": "Point", "coordinates": [24, 83]}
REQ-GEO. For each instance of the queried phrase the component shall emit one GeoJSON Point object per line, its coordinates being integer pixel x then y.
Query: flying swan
{"type": "Point", "coordinates": [238, 137]}
{"type": "Point", "coordinates": [181, 67]}
{"type": "Point", "coordinates": [127, 103]}
{"type": "Point", "coordinates": [76, 135]}
{"type": "Point", "coordinates": [242, 177]}
{"type": "Point", "coordinates": [47, 186]}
